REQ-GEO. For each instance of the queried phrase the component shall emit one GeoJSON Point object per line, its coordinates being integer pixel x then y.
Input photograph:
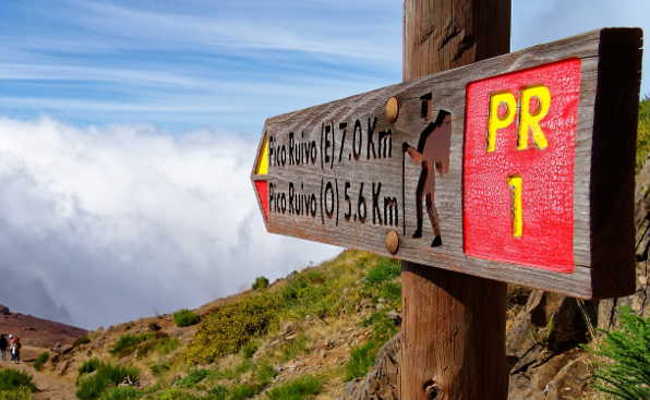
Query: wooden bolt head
{"type": "Point", "coordinates": [391, 110]}
{"type": "Point", "coordinates": [392, 242]}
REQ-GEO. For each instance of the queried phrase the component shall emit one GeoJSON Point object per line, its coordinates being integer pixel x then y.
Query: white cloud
{"type": "Point", "coordinates": [121, 222]}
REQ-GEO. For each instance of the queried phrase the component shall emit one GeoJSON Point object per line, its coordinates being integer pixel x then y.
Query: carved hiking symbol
{"type": "Point", "coordinates": [432, 153]}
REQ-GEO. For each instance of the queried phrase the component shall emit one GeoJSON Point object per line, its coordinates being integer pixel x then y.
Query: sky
{"type": "Point", "coordinates": [128, 130]}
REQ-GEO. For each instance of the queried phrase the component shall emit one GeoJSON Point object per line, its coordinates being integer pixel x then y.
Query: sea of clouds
{"type": "Point", "coordinates": [102, 225]}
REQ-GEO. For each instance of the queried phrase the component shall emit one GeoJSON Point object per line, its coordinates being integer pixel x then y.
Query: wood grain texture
{"type": "Point", "coordinates": [598, 272]}
{"type": "Point", "coordinates": [612, 161]}
{"type": "Point", "coordinates": [445, 34]}
{"type": "Point", "coordinates": [453, 329]}
{"type": "Point", "coordinates": [453, 335]}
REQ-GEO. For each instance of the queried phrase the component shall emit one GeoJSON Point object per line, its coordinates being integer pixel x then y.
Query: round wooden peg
{"type": "Point", "coordinates": [392, 242]}
{"type": "Point", "coordinates": [391, 110]}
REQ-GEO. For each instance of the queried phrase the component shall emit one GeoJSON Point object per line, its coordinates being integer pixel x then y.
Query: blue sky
{"type": "Point", "coordinates": [219, 64]}
{"type": "Point", "coordinates": [128, 130]}
{"type": "Point", "coordinates": [225, 64]}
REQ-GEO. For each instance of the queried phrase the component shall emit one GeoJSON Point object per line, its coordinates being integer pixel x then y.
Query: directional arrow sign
{"type": "Point", "coordinates": [518, 168]}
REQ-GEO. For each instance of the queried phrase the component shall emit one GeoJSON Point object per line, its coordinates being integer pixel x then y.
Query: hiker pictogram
{"type": "Point", "coordinates": [432, 153]}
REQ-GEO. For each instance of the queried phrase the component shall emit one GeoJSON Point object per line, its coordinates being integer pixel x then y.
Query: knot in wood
{"type": "Point", "coordinates": [431, 389]}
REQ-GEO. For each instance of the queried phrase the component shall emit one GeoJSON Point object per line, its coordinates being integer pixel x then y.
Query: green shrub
{"type": "Point", "coordinates": [143, 343]}
{"type": "Point", "coordinates": [167, 345]}
{"type": "Point", "coordinates": [184, 318]}
{"type": "Point", "coordinates": [159, 341]}
{"type": "Point", "coordinates": [264, 374]}
{"type": "Point", "coordinates": [160, 368]}
{"type": "Point", "coordinates": [89, 366]}
{"type": "Point", "coordinates": [383, 327]}
{"type": "Point", "coordinates": [234, 373]}
{"type": "Point", "coordinates": [192, 378]}
{"type": "Point", "coordinates": [121, 393]}
{"type": "Point", "coordinates": [81, 340]}
{"type": "Point", "coordinates": [260, 377]}
{"type": "Point", "coordinates": [310, 293]}
{"type": "Point", "coordinates": [41, 360]}
{"type": "Point", "coordinates": [362, 358]}
{"type": "Point", "coordinates": [127, 343]}
{"type": "Point", "coordinates": [218, 392]}
{"type": "Point", "coordinates": [305, 387]}
{"type": "Point", "coordinates": [12, 379]}
{"type": "Point", "coordinates": [172, 394]}
{"type": "Point", "coordinates": [379, 283]}
{"type": "Point", "coordinates": [92, 386]}
{"type": "Point", "coordinates": [261, 282]}
{"type": "Point", "coordinates": [295, 347]}
{"type": "Point", "coordinates": [386, 270]}
{"type": "Point", "coordinates": [242, 392]}
{"type": "Point", "coordinates": [626, 373]}
{"type": "Point", "coordinates": [304, 288]}
{"type": "Point", "coordinates": [391, 291]}
{"type": "Point", "coordinates": [232, 326]}
{"type": "Point", "coordinates": [248, 350]}
{"type": "Point", "coordinates": [16, 394]}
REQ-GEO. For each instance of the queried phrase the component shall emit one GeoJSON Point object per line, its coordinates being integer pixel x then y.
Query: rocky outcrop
{"type": "Point", "coordinates": [382, 383]}
{"type": "Point", "coordinates": [542, 345]}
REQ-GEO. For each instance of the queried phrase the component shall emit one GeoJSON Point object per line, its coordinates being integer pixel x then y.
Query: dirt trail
{"type": "Point", "coordinates": [50, 387]}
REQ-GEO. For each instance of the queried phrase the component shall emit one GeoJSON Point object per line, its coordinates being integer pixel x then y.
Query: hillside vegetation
{"type": "Point", "coordinates": [301, 337]}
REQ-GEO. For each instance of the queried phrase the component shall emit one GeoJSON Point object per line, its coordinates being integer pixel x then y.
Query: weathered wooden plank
{"type": "Point", "coordinates": [342, 173]}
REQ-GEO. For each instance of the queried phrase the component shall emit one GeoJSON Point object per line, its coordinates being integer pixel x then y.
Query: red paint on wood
{"type": "Point", "coordinates": [547, 174]}
{"type": "Point", "coordinates": [262, 188]}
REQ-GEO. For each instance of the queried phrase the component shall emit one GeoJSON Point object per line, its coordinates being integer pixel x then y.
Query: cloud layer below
{"type": "Point", "coordinates": [104, 225]}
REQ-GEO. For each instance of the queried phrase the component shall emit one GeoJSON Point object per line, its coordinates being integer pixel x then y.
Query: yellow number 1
{"type": "Point", "coordinates": [516, 185]}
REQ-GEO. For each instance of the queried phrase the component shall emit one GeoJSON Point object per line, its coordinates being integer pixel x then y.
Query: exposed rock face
{"type": "Point", "coordinates": [542, 347]}
{"type": "Point", "coordinates": [382, 383]}
{"type": "Point", "coordinates": [4, 310]}
{"type": "Point", "coordinates": [62, 348]}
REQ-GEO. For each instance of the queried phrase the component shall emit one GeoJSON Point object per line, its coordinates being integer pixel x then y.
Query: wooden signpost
{"type": "Point", "coordinates": [517, 168]}
{"type": "Point", "coordinates": [453, 331]}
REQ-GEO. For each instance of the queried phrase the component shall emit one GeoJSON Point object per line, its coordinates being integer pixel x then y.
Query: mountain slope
{"type": "Point", "coordinates": [307, 327]}
{"type": "Point", "coordinates": [38, 335]}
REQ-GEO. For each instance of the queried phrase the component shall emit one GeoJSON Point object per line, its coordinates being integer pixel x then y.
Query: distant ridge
{"type": "Point", "coordinates": [37, 332]}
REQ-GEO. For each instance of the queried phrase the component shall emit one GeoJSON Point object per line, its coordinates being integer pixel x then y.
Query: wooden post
{"type": "Point", "coordinates": [453, 334]}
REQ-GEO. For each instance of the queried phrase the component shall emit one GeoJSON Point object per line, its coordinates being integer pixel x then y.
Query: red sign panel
{"type": "Point", "coordinates": [518, 173]}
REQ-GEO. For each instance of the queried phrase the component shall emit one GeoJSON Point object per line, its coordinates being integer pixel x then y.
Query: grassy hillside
{"type": "Point", "coordinates": [302, 337]}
